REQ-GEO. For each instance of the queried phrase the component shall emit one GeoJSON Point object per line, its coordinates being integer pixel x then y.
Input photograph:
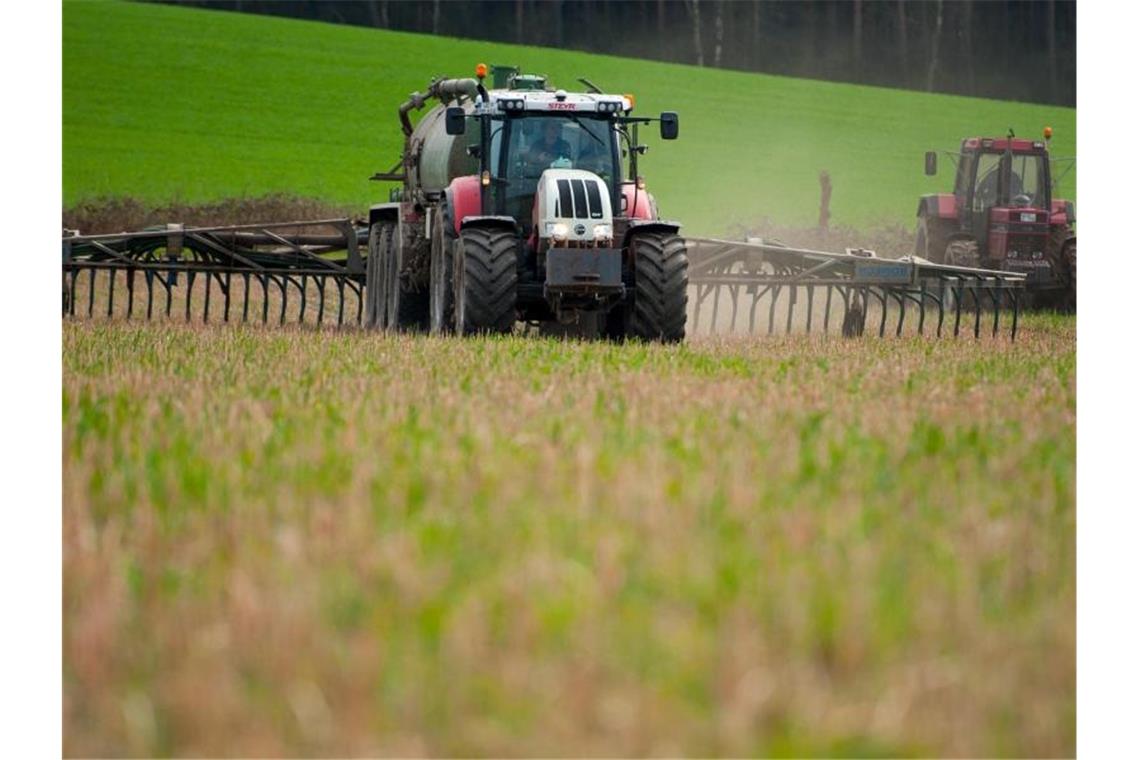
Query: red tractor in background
{"type": "Point", "coordinates": [1002, 215]}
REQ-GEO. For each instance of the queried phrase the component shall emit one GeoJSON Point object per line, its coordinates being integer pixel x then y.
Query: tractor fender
{"type": "Point", "coordinates": [464, 199]}
{"type": "Point", "coordinates": [938, 206]}
{"type": "Point", "coordinates": [639, 204]}
{"type": "Point", "coordinates": [654, 225]}
{"type": "Point", "coordinates": [1062, 212]}
{"type": "Point", "coordinates": [493, 222]}
{"type": "Point", "coordinates": [383, 212]}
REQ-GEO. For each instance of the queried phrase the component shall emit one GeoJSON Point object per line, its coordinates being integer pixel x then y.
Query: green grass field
{"type": "Point", "coordinates": [288, 542]}
{"type": "Point", "coordinates": [166, 103]}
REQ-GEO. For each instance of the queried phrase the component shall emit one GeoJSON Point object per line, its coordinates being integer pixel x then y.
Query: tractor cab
{"type": "Point", "coordinates": [525, 145]}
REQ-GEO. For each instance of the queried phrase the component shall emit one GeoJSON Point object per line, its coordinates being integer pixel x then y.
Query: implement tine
{"type": "Point", "coordinates": [810, 298]}
{"type": "Point", "coordinates": [881, 294]}
{"type": "Point", "coordinates": [321, 302]}
{"type": "Point", "coordinates": [1015, 296]}
{"type": "Point", "coordinates": [977, 308]}
{"type": "Point", "coordinates": [245, 299]}
{"type": "Point", "coordinates": [206, 303]}
{"type": "Point", "coordinates": [359, 290]}
{"type": "Point", "coordinates": [304, 287]}
{"type": "Point", "coordinates": [340, 308]}
{"type": "Point", "coordinates": [190, 275]}
{"type": "Point", "coordinates": [827, 309]}
{"type": "Point", "coordinates": [265, 299]}
{"type": "Point", "coordinates": [793, 291]}
{"type": "Point", "coordinates": [148, 278]}
{"type": "Point", "coordinates": [922, 308]}
{"type": "Point", "coordinates": [284, 285]}
{"type": "Point", "coordinates": [71, 297]}
{"type": "Point", "coordinates": [111, 292]}
{"type": "Point", "coordinates": [995, 296]}
{"type": "Point", "coordinates": [130, 292]}
{"type": "Point", "coordinates": [226, 291]}
{"type": "Point", "coordinates": [91, 294]}
{"type": "Point", "coordinates": [902, 314]}
{"type": "Point", "coordinates": [772, 308]}
{"type": "Point", "coordinates": [957, 306]}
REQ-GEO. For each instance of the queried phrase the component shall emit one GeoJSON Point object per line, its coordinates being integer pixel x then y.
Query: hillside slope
{"type": "Point", "coordinates": [166, 103]}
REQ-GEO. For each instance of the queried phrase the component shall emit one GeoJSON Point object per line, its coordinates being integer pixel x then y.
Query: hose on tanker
{"type": "Point", "coordinates": [443, 89]}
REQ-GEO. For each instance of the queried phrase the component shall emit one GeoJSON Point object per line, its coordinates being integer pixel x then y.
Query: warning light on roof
{"type": "Point", "coordinates": [1048, 133]}
{"type": "Point", "coordinates": [629, 97]}
{"type": "Point", "coordinates": [481, 70]}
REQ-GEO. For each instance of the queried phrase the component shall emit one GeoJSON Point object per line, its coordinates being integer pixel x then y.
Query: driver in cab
{"type": "Point", "coordinates": [549, 146]}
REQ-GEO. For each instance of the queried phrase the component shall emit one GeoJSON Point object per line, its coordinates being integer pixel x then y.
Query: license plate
{"type": "Point", "coordinates": [1029, 217]}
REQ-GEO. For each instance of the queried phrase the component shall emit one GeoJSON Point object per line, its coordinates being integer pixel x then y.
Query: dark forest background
{"type": "Point", "coordinates": [1023, 51]}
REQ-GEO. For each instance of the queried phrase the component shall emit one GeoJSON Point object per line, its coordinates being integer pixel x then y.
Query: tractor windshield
{"type": "Point", "coordinates": [526, 147]}
{"type": "Point", "coordinates": [1024, 186]}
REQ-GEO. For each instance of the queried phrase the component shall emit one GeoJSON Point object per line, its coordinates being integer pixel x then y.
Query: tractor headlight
{"type": "Point", "coordinates": [603, 232]}
{"type": "Point", "coordinates": [558, 232]}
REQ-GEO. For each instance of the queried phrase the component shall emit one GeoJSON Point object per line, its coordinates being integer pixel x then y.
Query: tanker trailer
{"type": "Point", "coordinates": [515, 205]}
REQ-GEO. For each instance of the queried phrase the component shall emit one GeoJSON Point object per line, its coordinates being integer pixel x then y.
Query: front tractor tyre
{"type": "Point", "coordinates": [442, 274]}
{"type": "Point", "coordinates": [486, 281]}
{"type": "Point", "coordinates": [660, 288]}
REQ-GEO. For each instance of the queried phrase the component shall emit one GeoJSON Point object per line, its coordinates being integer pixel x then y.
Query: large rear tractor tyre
{"type": "Point", "coordinates": [660, 288]}
{"type": "Point", "coordinates": [442, 295]}
{"type": "Point", "coordinates": [375, 287]}
{"type": "Point", "coordinates": [486, 281]}
{"type": "Point", "coordinates": [407, 310]}
{"type": "Point", "coordinates": [931, 239]}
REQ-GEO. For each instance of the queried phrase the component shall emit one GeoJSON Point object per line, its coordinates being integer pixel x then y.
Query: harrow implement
{"type": "Point", "coordinates": [307, 272]}
{"type": "Point", "coordinates": [313, 272]}
{"type": "Point", "coordinates": [760, 287]}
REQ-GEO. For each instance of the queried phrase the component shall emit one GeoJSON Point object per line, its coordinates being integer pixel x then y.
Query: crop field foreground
{"type": "Point", "coordinates": [287, 542]}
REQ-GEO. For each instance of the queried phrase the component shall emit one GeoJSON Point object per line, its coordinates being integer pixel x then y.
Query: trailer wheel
{"type": "Point", "coordinates": [660, 288]}
{"type": "Point", "coordinates": [442, 275]}
{"type": "Point", "coordinates": [486, 280]}
{"type": "Point", "coordinates": [407, 308]}
{"type": "Point", "coordinates": [375, 288]}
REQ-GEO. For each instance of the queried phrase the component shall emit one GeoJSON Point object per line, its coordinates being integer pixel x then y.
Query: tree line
{"type": "Point", "coordinates": [1024, 50]}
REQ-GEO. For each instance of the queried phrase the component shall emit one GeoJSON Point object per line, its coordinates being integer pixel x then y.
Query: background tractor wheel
{"type": "Point", "coordinates": [442, 276]}
{"type": "Point", "coordinates": [375, 288]}
{"type": "Point", "coordinates": [963, 253]}
{"type": "Point", "coordinates": [855, 318]}
{"type": "Point", "coordinates": [1069, 258]}
{"type": "Point", "coordinates": [486, 278]}
{"type": "Point", "coordinates": [930, 239]}
{"type": "Point", "coordinates": [660, 288]}
{"type": "Point", "coordinates": [407, 310]}
{"type": "Point", "coordinates": [1062, 255]}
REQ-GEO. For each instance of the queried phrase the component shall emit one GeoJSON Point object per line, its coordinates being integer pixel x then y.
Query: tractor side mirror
{"type": "Point", "coordinates": [669, 125]}
{"type": "Point", "coordinates": [456, 121]}
{"type": "Point", "coordinates": [931, 163]}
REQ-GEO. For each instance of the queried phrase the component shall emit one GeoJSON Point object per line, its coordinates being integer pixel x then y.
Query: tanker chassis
{"type": "Point", "coordinates": [514, 205]}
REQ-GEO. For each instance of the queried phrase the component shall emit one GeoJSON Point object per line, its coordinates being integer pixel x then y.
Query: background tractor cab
{"type": "Point", "coordinates": [1002, 215]}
